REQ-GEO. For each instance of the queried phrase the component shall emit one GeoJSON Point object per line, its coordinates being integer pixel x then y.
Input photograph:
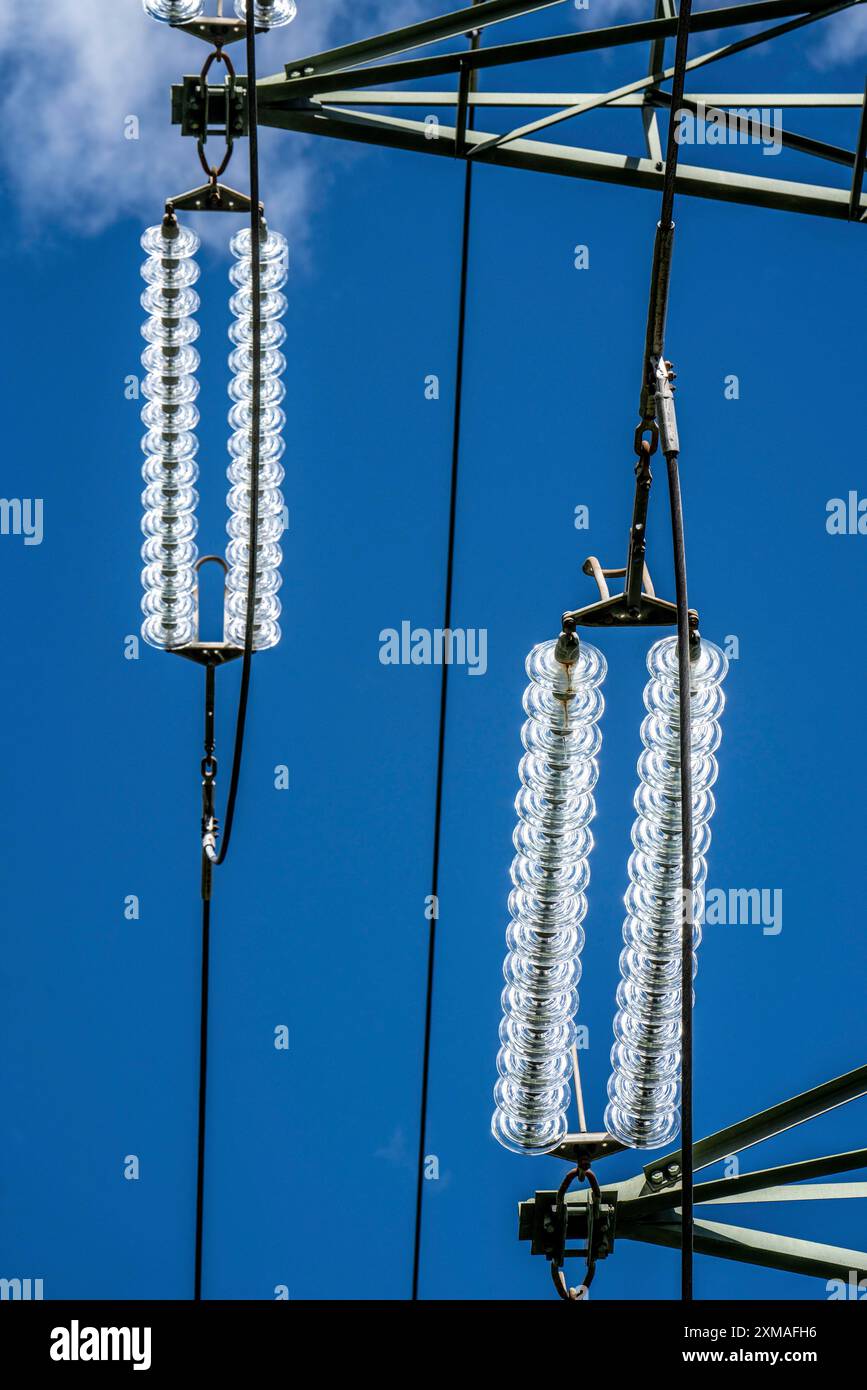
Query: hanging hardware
{"type": "Point", "coordinates": [209, 654]}
{"type": "Point", "coordinates": [214, 30]}
{"type": "Point", "coordinates": [664, 404]}
{"type": "Point", "coordinates": [638, 604]}
{"type": "Point", "coordinates": [210, 197]}
{"type": "Point", "coordinates": [202, 110]}
{"type": "Point", "coordinates": [251, 567]}
{"type": "Point", "coordinates": [253, 558]}
{"type": "Point", "coordinates": [653, 1033]}
{"type": "Point", "coordinates": [586, 1146]}
{"type": "Point", "coordinates": [646, 1207]}
{"type": "Point", "coordinates": [597, 1231]}
{"type": "Point", "coordinates": [210, 823]}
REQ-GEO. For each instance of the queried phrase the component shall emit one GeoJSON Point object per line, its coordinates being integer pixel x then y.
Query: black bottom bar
{"type": "Point", "coordinates": [224, 1336]}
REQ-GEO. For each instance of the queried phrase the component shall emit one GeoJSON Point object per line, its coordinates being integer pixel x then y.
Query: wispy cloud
{"type": "Point", "coordinates": [842, 38]}
{"type": "Point", "coordinates": [75, 70]}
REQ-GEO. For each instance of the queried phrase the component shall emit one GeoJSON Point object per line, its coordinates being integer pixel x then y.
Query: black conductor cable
{"type": "Point", "coordinates": [255, 433]}
{"type": "Point", "coordinates": [468, 85]}
{"type": "Point", "coordinates": [210, 855]}
{"type": "Point", "coordinates": [656, 404]}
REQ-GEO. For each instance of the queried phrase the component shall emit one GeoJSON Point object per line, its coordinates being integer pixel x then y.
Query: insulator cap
{"type": "Point", "coordinates": [567, 649]}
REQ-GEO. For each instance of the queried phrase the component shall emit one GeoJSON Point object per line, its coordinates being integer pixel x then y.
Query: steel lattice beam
{"type": "Point", "coordinates": [321, 95]}
{"type": "Point", "coordinates": [574, 162]}
{"type": "Point", "coordinates": [317, 74]}
{"type": "Point", "coordinates": [646, 1207]}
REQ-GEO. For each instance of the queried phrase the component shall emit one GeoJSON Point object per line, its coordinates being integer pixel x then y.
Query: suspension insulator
{"type": "Point", "coordinates": [170, 445]}
{"type": "Point", "coordinates": [274, 261]}
{"type": "Point", "coordinates": [268, 14]}
{"type": "Point", "coordinates": [644, 1085]}
{"type": "Point", "coordinates": [173, 11]}
{"type": "Point", "coordinates": [550, 873]}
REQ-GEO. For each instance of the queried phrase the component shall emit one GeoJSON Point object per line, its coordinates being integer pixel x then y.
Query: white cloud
{"type": "Point", "coordinates": [843, 38]}
{"type": "Point", "coordinates": [75, 69]}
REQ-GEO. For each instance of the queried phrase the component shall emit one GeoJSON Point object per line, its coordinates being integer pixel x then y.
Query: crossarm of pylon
{"type": "Point", "coordinates": [745, 1187]}
{"type": "Point", "coordinates": [775, 1120]}
{"type": "Point", "coordinates": [762, 1248]}
{"type": "Point", "coordinates": [798, 1192]}
{"type": "Point", "coordinates": [655, 78]}
{"type": "Point", "coordinates": [600, 165]}
{"type": "Point", "coordinates": [410, 36]}
{"type": "Point", "coordinates": [307, 78]}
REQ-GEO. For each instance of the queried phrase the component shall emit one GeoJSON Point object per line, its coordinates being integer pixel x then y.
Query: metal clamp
{"type": "Point", "coordinates": [638, 604]}
{"type": "Point", "coordinates": [202, 110]}
{"type": "Point", "coordinates": [208, 653]}
{"type": "Point", "coordinates": [598, 1228]}
{"type": "Point", "coordinates": [664, 400]}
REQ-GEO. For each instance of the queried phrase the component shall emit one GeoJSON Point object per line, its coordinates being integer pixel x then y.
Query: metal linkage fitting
{"type": "Point", "coordinates": [664, 1175]}
{"type": "Point", "coordinates": [638, 604]}
{"type": "Point", "coordinates": [568, 647]}
{"type": "Point", "coordinates": [217, 29]}
{"type": "Point", "coordinates": [538, 1223]}
{"type": "Point", "coordinates": [207, 109]}
{"type": "Point", "coordinates": [666, 418]}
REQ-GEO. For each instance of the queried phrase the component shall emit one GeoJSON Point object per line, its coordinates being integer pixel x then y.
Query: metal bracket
{"type": "Point", "coordinates": [222, 107]}
{"type": "Point", "coordinates": [664, 401]}
{"type": "Point", "coordinates": [646, 1207]}
{"type": "Point", "coordinates": [208, 653]}
{"type": "Point", "coordinates": [537, 1223]}
{"type": "Point", "coordinates": [353, 73]}
{"type": "Point", "coordinates": [637, 605]}
{"type": "Point", "coordinates": [216, 31]}
{"type": "Point", "coordinates": [586, 1148]}
{"type": "Point", "coordinates": [210, 197]}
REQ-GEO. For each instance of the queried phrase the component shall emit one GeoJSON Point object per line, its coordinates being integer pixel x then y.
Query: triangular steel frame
{"type": "Point", "coordinates": [323, 95]}
{"type": "Point", "coordinates": [646, 1207]}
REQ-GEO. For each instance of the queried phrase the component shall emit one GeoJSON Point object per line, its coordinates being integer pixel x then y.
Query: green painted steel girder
{"type": "Point", "coordinates": [307, 78]}
{"type": "Point", "coordinates": [302, 102]}
{"type": "Point", "coordinates": [763, 1248]}
{"type": "Point", "coordinates": [448, 26]}
{"type": "Point", "coordinates": [767, 1123]}
{"type": "Point", "coordinates": [604, 167]}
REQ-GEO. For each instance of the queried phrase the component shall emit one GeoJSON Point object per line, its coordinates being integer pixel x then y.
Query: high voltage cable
{"type": "Point", "coordinates": [441, 739]}
{"type": "Point", "coordinates": [255, 434]}
{"type": "Point", "coordinates": [247, 661]}
{"type": "Point", "coordinates": [656, 326]}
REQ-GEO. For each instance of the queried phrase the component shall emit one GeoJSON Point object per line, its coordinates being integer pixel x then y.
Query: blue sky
{"type": "Point", "coordinates": [319, 916]}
